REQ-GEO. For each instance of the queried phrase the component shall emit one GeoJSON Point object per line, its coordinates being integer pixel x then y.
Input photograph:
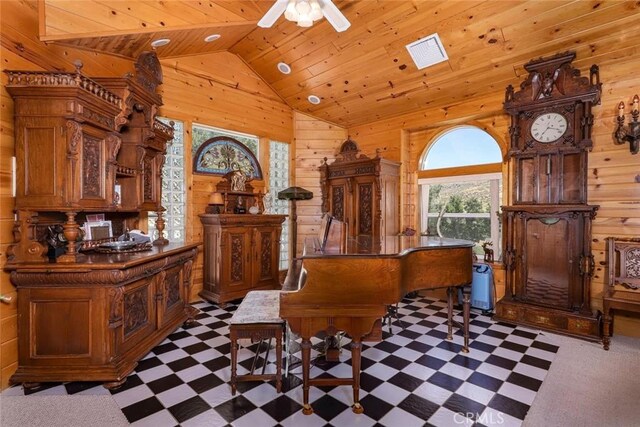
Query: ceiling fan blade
{"type": "Point", "coordinates": [334, 16]}
{"type": "Point", "coordinates": [273, 14]}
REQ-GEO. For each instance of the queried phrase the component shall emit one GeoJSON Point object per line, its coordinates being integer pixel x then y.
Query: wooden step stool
{"type": "Point", "coordinates": [257, 318]}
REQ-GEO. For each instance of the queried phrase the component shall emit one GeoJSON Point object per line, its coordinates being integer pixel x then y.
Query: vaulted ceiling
{"type": "Point", "coordinates": [365, 73]}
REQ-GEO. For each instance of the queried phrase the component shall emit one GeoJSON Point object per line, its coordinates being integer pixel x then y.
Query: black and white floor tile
{"type": "Point", "coordinates": [414, 377]}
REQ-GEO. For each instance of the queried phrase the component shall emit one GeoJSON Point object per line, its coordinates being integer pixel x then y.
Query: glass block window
{"type": "Point", "coordinates": [173, 187]}
{"type": "Point", "coordinates": [278, 181]}
{"type": "Point", "coordinates": [201, 133]}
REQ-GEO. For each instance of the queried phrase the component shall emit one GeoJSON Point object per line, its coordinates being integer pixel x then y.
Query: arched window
{"type": "Point", "coordinates": [461, 178]}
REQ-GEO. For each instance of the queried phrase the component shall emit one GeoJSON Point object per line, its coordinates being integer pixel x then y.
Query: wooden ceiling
{"type": "Point", "coordinates": [365, 73]}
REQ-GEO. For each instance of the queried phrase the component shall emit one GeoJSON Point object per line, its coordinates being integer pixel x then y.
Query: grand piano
{"type": "Point", "coordinates": [349, 286]}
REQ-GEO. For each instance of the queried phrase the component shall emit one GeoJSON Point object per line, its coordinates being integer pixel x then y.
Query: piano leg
{"type": "Point", "coordinates": [450, 291]}
{"type": "Point", "coordinates": [356, 347]}
{"type": "Point", "coordinates": [306, 365]}
{"type": "Point", "coordinates": [234, 361]}
{"type": "Point", "coordinates": [466, 311]}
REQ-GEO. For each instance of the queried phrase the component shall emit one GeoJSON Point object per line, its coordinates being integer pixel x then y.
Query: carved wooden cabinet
{"type": "Point", "coordinates": [547, 230]}
{"type": "Point", "coordinates": [87, 146]}
{"type": "Point", "coordinates": [362, 192]}
{"type": "Point", "coordinates": [241, 254]}
{"type": "Point", "coordinates": [94, 321]}
{"type": "Point", "coordinates": [78, 139]}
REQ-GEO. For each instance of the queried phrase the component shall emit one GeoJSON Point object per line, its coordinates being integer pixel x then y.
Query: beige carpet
{"type": "Point", "coordinates": [587, 386]}
{"type": "Point", "coordinates": [60, 411]}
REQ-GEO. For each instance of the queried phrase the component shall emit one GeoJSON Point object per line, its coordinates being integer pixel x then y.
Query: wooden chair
{"type": "Point", "coordinates": [623, 291]}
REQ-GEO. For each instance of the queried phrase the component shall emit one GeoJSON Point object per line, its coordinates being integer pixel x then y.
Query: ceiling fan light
{"type": "Point", "coordinates": [316, 10]}
{"type": "Point", "coordinates": [305, 21]}
{"type": "Point", "coordinates": [290, 13]}
{"type": "Point", "coordinates": [303, 7]}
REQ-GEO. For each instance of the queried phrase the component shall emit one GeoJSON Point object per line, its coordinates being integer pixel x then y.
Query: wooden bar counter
{"type": "Point", "coordinates": [93, 321]}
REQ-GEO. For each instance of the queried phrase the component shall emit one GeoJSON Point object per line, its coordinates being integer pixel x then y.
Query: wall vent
{"type": "Point", "coordinates": [427, 51]}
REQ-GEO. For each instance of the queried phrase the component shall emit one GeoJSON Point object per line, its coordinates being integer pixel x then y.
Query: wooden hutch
{"type": "Point", "coordinates": [241, 251]}
{"type": "Point", "coordinates": [89, 315]}
{"type": "Point", "coordinates": [547, 229]}
{"type": "Point", "coordinates": [363, 192]}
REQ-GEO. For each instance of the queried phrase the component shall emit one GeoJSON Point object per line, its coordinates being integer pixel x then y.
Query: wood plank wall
{"type": "Point", "coordinates": [220, 90]}
{"type": "Point", "coordinates": [315, 140]}
{"type": "Point", "coordinates": [613, 172]}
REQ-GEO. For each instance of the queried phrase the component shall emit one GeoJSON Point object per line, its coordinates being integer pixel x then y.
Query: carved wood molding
{"type": "Point", "coordinates": [34, 276]}
{"type": "Point", "coordinates": [61, 80]}
{"type": "Point", "coordinates": [553, 79]}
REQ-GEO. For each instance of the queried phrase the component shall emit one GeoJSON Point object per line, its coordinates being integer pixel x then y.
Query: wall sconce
{"type": "Point", "coordinates": [216, 203]}
{"type": "Point", "coordinates": [630, 134]}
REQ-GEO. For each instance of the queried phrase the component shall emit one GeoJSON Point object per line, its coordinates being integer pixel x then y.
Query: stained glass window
{"type": "Point", "coordinates": [201, 133]}
{"type": "Point", "coordinates": [218, 151]}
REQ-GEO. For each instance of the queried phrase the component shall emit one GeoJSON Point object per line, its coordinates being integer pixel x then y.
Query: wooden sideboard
{"type": "Point", "coordinates": [87, 146]}
{"type": "Point", "coordinates": [93, 321]}
{"type": "Point", "coordinates": [241, 254]}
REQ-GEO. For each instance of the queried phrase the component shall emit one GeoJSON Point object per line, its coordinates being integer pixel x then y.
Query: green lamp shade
{"type": "Point", "coordinates": [295, 193]}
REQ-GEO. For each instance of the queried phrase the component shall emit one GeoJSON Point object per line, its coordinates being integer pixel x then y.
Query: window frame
{"type": "Point", "coordinates": [495, 180]}
{"type": "Point", "coordinates": [492, 172]}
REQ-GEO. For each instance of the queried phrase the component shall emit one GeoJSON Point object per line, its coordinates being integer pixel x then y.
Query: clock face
{"type": "Point", "coordinates": [548, 127]}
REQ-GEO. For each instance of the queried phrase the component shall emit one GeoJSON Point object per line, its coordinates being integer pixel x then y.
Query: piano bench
{"type": "Point", "coordinates": [257, 318]}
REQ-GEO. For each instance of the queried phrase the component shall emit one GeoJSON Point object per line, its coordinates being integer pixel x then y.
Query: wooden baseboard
{"type": "Point", "coordinates": [559, 321]}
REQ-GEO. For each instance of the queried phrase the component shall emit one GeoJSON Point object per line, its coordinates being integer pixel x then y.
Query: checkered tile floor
{"type": "Point", "coordinates": [412, 378]}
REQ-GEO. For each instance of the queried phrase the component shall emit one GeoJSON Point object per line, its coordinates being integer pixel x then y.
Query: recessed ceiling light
{"type": "Point", "coordinates": [314, 99]}
{"type": "Point", "coordinates": [284, 68]}
{"type": "Point", "coordinates": [212, 37]}
{"type": "Point", "coordinates": [160, 42]}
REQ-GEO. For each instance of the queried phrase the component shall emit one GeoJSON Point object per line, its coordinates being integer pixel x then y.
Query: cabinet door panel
{"type": "Point", "coordinates": [338, 199]}
{"type": "Point", "coordinates": [58, 324]}
{"type": "Point", "coordinates": [549, 256]}
{"type": "Point", "coordinates": [365, 209]}
{"type": "Point", "coordinates": [39, 177]}
{"type": "Point", "coordinates": [526, 182]}
{"type": "Point", "coordinates": [138, 313]}
{"type": "Point", "coordinates": [151, 179]}
{"type": "Point", "coordinates": [169, 285]}
{"type": "Point", "coordinates": [236, 272]}
{"type": "Point", "coordinates": [572, 178]}
{"type": "Point", "coordinates": [266, 256]}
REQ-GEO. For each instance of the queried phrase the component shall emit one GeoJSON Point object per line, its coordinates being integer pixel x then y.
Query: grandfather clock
{"type": "Point", "coordinates": [547, 229]}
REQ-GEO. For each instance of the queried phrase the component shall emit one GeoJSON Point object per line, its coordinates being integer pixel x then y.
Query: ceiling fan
{"type": "Point", "coordinates": [304, 13]}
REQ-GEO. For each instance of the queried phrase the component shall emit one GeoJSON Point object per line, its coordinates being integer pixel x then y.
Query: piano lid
{"type": "Point", "coordinates": [386, 246]}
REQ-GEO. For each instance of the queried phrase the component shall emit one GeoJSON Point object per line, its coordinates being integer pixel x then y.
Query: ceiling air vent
{"type": "Point", "coordinates": [427, 51]}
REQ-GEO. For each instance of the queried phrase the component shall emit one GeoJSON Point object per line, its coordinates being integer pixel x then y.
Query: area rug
{"type": "Point", "coordinates": [60, 411]}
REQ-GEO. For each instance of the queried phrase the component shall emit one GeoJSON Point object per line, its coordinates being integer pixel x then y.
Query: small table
{"type": "Point", "coordinates": [257, 318]}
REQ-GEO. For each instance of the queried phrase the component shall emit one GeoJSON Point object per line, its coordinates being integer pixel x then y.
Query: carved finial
{"type": "Point", "coordinates": [78, 64]}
